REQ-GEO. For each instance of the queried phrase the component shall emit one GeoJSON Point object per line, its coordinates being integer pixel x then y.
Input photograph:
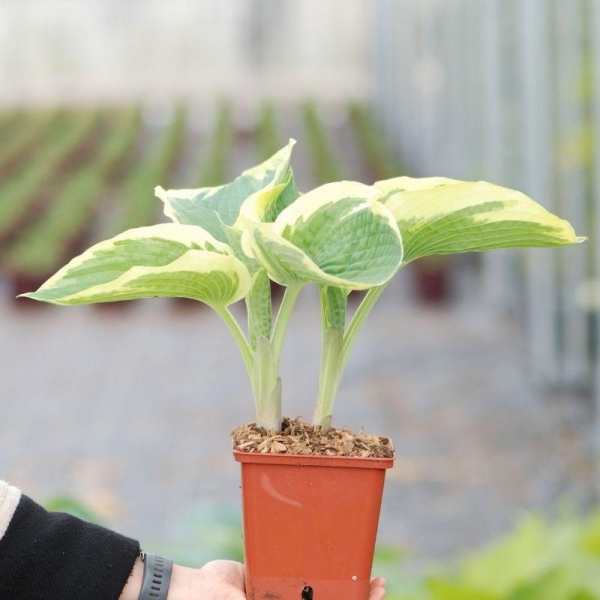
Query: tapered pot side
{"type": "Point", "coordinates": [310, 524]}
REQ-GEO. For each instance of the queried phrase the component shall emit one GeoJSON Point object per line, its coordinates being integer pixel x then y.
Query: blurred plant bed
{"type": "Point", "coordinates": [24, 198]}
{"type": "Point", "coordinates": [380, 160]}
{"type": "Point", "coordinates": [10, 120]}
{"type": "Point", "coordinates": [268, 138]}
{"type": "Point", "coordinates": [14, 165]}
{"type": "Point", "coordinates": [214, 162]}
{"type": "Point", "coordinates": [65, 228]}
{"type": "Point", "coordinates": [24, 136]}
{"type": "Point", "coordinates": [325, 163]}
{"type": "Point", "coordinates": [137, 202]}
{"type": "Point", "coordinates": [544, 558]}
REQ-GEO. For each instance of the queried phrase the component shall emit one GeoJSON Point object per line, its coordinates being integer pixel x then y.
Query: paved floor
{"type": "Point", "coordinates": [130, 411]}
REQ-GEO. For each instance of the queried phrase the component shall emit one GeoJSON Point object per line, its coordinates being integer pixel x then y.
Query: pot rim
{"type": "Point", "coordinates": [314, 460]}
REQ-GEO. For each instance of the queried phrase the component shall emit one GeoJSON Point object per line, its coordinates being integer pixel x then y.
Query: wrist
{"type": "Point", "coordinates": [181, 586]}
{"type": "Point", "coordinates": [133, 587]}
{"type": "Point", "coordinates": [182, 583]}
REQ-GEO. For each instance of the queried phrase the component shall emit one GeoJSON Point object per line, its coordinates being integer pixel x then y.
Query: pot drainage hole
{"type": "Point", "coordinates": [307, 593]}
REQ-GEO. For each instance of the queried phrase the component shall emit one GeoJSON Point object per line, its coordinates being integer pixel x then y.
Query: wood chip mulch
{"type": "Point", "coordinates": [298, 437]}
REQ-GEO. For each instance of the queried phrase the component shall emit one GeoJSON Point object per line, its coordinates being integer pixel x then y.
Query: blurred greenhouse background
{"type": "Point", "coordinates": [482, 368]}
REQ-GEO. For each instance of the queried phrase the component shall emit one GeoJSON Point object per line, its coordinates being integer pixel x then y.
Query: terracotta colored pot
{"type": "Point", "coordinates": [310, 524]}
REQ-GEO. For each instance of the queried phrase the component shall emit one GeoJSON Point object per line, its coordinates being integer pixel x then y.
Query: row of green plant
{"type": "Point", "coordinates": [268, 139]}
{"type": "Point", "coordinates": [49, 241]}
{"type": "Point", "coordinates": [21, 194]}
{"type": "Point", "coordinates": [11, 142]}
{"type": "Point", "coordinates": [10, 120]}
{"type": "Point", "coordinates": [324, 160]}
{"type": "Point", "coordinates": [136, 206]}
{"type": "Point", "coordinates": [380, 159]}
{"type": "Point", "coordinates": [215, 160]}
{"type": "Point", "coordinates": [23, 137]}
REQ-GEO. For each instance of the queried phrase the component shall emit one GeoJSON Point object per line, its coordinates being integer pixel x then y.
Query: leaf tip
{"type": "Point", "coordinates": [160, 192]}
{"type": "Point", "coordinates": [580, 239]}
{"type": "Point", "coordinates": [30, 295]}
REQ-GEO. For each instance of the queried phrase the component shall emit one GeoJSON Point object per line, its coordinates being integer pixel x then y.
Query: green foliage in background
{"type": "Point", "coordinates": [45, 244]}
{"type": "Point", "coordinates": [64, 144]}
{"type": "Point", "coordinates": [543, 559]}
{"type": "Point", "coordinates": [267, 132]}
{"type": "Point", "coordinates": [380, 160]}
{"type": "Point", "coordinates": [74, 507]}
{"type": "Point", "coordinates": [213, 169]}
{"type": "Point", "coordinates": [136, 208]}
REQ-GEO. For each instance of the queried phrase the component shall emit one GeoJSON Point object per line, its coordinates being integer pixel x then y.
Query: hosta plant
{"type": "Point", "coordinates": [226, 243]}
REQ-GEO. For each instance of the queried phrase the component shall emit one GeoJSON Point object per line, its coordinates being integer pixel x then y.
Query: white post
{"type": "Point", "coordinates": [402, 65]}
{"type": "Point", "coordinates": [595, 51]}
{"type": "Point", "coordinates": [425, 85]}
{"type": "Point", "coordinates": [572, 186]}
{"type": "Point", "coordinates": [409, 14]}
{"type": "Point", "coordinates": [454, 92]}
{"type": "Point", "coordinates": [497, 271]}
{"type": "Point", "coordinates": [382, 62]}
{"type": "Point", "coordinates": [537, 162]}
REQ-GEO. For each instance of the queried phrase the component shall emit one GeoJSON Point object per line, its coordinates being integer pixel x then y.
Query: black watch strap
{"type": "Point", "coordinates": [157, 577]}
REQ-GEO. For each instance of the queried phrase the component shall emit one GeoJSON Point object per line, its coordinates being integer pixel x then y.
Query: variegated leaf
{"type": "Point", "coordinates": [445, 216]}
{"type": "Point", "coordinates": [263, 206]}
{"type": "Point", "coordinates": [388, 187]}
{"type": "Point", "coordinates": [234, 239]}
{"type": "Point", "coordinates": [337, 235]}
{"type": "Point", "coordinates": [195, 207]}
{"type": "Point", "coordinates": [168, 260]}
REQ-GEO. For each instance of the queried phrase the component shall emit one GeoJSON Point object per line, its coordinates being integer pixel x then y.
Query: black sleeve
{"type": "Point", "coordinates": [54, 556]}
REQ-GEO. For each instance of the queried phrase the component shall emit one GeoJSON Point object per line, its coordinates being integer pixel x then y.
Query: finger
{"type": "Point", "coordinates": [377, 594]}
{"type": "Point", "coordinates": [377, 589]}
{"type": "Point", "coordinates": [239, 575]}
{"type": "Point", "coordinates": [378, 582]}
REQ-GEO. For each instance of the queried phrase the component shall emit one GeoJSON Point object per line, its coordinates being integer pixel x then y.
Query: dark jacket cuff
{"type": "Point", "coordinates": [54, 556]}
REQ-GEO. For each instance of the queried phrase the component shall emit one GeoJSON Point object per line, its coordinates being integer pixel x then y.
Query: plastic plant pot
{"type": "Point", "coordinates": [310, 524]}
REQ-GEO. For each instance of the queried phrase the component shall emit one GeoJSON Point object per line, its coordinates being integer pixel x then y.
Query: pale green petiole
{"type": "Point", "coordinates": [330, 375]}
{"type": "Point", "coordinates": [336, 348]}
{"type": "Point", "coordinates": [266, 385]}
{"type": "Point", "coordinates": [238, 336]}
{"type": "Point", "coordinates": [283, 318]}
{"type": "Point", "coordinates": [263, 362]}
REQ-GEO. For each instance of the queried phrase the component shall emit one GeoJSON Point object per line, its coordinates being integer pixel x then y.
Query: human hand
{"type": "Point", "coordinates": [377, 589]}
{"type": "Point", "coordinates": [216, 580]}
{"type": "Point", "coordinates": [224, 580]}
